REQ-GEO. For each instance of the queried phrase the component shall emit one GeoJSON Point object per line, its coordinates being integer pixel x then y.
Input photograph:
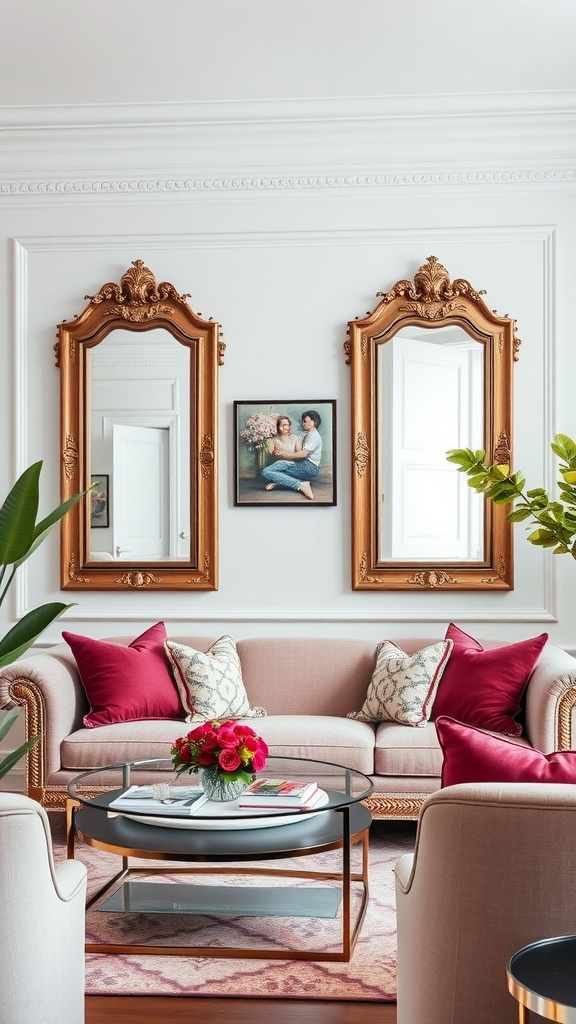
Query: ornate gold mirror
{"type": "Point", "coordinates": [431, 370]}
{"type": "Point", "coordinates": [139, 375]}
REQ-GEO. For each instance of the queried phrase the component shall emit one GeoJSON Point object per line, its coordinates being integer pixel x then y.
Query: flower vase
{"type": "Point", "coordinates": [261, 460]}
{"type": "Point", "coordinates": [219, 785]}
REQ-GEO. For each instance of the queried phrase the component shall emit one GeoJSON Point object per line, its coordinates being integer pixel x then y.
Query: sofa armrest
{"type": "Point", "coordinates": [48, 687]}
{"type": "Point", "coordinates": [551, 701]}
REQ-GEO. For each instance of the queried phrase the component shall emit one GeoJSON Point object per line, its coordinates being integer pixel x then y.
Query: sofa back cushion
{"type": "Point", "coordinates": [305, 675]}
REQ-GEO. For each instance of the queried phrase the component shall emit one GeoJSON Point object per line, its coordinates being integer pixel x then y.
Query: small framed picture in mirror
{"type": "Point", "coordinates": [99, 500]}
{"type": "Point", "coordinates": [285, 452]}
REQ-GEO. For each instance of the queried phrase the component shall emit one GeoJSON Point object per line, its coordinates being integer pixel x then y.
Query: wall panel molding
{"type": "Point", "coordinates": [542, 609]}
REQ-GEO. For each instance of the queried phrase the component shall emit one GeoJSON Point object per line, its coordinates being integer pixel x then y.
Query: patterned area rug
{"type": "Point", "coordinates": [370, 974]}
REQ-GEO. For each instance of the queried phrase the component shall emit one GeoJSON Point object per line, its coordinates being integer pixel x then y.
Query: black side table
{"type": "Point", "coordinates": [542, 978]}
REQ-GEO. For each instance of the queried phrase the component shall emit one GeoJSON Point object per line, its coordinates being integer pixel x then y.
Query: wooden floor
{"type": "Point", "coordinates": [194, 1010]}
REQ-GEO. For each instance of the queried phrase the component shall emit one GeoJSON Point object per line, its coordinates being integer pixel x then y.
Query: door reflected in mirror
{"type": "Point", "coordinates": [139, 413]}
{"type": "Point", "coordinates": [431, 390]}
{"type": "Point", "coordinates": [431, 363]}
{"type": "Point", "coordinates": [139, 402]}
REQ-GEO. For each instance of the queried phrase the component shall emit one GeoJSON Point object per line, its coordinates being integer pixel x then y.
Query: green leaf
{"type": "Point", "coordinates": [18, 516]}
{"type": "Point", "coordinates": [569, 475]}
{"type": "Point", "coordinates": [518, 515]}
{"type": "Point", "coordinates": [28, 629]}
{"type": "Point", "coordinates": [564, 447]}
{"type": "Point", "coordinates": [42, 529]}
{"type": "Point", "coordinates": [542, 538]}
{"type": "Point", "coordinates": [8, 721]}
{"type": "Point", "coordinates": [12, 759]}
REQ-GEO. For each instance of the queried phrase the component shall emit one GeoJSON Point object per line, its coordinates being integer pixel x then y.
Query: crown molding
{"type": "Point", "coordinates": [266, 111]}
{"type": "Point", "coordinates": [138, 186]}
{"type": "Point", "coordinates": [271, 145]}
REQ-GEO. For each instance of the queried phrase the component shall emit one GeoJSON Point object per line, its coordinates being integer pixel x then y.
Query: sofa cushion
{"type": "Point", "coordinates": [323, 738]}
{"type": "Point", "coordinates": [473, 755]}
{"type": "Point", "coordinates": [126, 683]}
{"type": "Point", "coordinates": [403, 687]}
{"type": "Point", "coordinates": [406, 752]}
{"type": "Point", "coordinates": [210, 684]}
{"type": "Point", "coordinates": [484, 687]}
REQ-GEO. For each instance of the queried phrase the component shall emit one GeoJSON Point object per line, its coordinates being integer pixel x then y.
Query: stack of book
{"type": "Point", "coordinates": [281, 793]}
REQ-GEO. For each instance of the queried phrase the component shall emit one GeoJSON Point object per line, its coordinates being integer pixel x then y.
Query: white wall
{"type": "Point", "coordinates": [284, 169]}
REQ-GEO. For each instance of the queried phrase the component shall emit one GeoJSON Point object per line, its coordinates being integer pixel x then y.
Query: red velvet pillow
{"type": "Point", "coordinates": [126, 683]}
{"type": "Point", "coordinates": [484, 688]}
{"type": "Point", "coordinates": [471, 755]}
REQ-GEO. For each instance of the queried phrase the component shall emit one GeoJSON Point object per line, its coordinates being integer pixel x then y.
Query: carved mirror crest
{"type": "Point", "coordinates": [139, 411]}
{"type": "Point", "coordinates": [431, 370]}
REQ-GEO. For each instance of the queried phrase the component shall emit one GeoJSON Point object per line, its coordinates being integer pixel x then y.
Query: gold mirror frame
{"type": "Point", "coordinates": [430, 301]}
{"type": "Point", "coordinates": [139, 304]}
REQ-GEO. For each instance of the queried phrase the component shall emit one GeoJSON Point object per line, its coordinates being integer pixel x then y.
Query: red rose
{"type": "Point", "coordinates": [259, 760]}
{"type": "Point", "coordinates": [200, 732]}
{"type": "Point", "coordinates": [205, 756]}
{"type": "Point", "coordinates": [229, 760]}
{"type": "Point", "coordinates": [185, 753]}
{"type": "Point", "coordinates": [243, 730]}
{"type": "Point", "coordinates": [227, 738]}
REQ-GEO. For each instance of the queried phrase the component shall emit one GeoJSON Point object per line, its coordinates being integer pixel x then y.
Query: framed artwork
{"type": "Point", "coordinates": [285, 452]}
{"type": "Point", "coordinates": [99, 503]}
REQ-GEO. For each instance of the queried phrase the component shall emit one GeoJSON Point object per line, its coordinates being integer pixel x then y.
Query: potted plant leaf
{"type": "Point", "coordinates": [555, 521]}
{"type": "Point", "coordinates": [20, 535]}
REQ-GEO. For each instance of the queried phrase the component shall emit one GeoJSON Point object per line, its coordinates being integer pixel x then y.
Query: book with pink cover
{"type": "Point", "coordinates": [277, 793]}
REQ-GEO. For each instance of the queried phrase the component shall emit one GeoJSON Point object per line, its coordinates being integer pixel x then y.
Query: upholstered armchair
{"type": "Point", "coordinates": [493, 869]}
{"type": "Point", "coordinates": [41, 921]}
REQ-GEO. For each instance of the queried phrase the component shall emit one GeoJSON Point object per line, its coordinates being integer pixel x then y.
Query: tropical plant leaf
{"type": "Point", "coordinates": [28, 629]}
{"type": "Point", "coordinates": [11, 760]}
{"type": "Point", "coordinates": [18, 516]}
{"type": "Point", "coordinates": [8, 721]}
{"type": "Point", "coordinates": [42, 529]}
{"type": "Point", "coordinates": [542, 538]}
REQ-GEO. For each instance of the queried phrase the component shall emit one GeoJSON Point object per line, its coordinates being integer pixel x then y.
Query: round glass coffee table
{"type": "Point", "coordinates": [542, 978]}
{"type": "Point", "coordinates": [114, 809]}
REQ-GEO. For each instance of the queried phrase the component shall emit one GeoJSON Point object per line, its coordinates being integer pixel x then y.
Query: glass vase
{"type": "Point", "coordinates": [218, 785]}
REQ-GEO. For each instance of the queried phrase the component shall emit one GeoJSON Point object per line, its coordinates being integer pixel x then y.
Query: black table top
{"type": "Point", "coordinates": [129, 837]}
{"type": "Point", "coordinates": [547, 969]}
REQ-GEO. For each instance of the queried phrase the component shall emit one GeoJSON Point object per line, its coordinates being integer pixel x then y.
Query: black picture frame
{"type": "Point", "coordinates": [254, 452]}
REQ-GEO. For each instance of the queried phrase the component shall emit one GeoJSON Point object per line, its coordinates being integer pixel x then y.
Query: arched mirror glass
{"type": "Point", "coordinates": [431, 370]}
{"type": "Point", "coordinates": [139, 417]}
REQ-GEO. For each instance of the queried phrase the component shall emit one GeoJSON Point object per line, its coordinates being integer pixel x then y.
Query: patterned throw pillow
{"type": "Point", "coordinates": [403, 687]}
{"type": "Point", "coordinates": [210, 685]}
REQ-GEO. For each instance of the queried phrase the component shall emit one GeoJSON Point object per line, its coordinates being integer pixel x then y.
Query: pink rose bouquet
{"type": "Point", "coordinates": [260, 427]}
{"type": "Point", "coordinates": [229, 747]}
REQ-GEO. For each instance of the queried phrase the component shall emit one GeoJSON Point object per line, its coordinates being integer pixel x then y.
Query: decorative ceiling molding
{"type": "Point", "coordinates": [305, 109]}
{"type": "Point", "coordinates": [294, 182]}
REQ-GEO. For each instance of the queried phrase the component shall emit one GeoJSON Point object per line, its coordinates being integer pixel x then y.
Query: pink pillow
{"type": "Point", "coordinates": [471, 755]}
{"type": "Point", "coordinates": [484, 688]}
{"type": "Point", "coordinates": [126, 683]}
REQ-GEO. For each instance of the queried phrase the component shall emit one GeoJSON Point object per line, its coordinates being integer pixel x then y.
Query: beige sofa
{"type": "Point", "coordinates": [306, 685]}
